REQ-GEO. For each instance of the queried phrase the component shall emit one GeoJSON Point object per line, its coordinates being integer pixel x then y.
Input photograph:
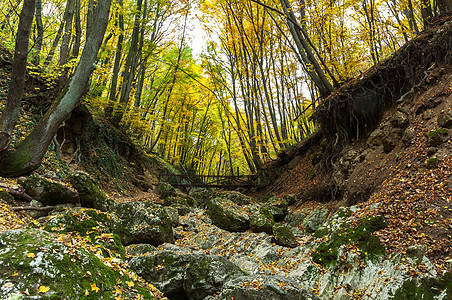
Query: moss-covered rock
{"type": "Point", "coordinates": [91, 223]}
{"type": "Point", "coordinates": [143, 222]}
{"type": "Point", "coordinates": [180, 200]}
{"type": "Point", "coordinates": [90, 195]}
{"type": "Point", "coordinates": [201, 195]}
{"type": "Point", "coordinates": [437, 137]}
{"type": "Point", "coordinates": [140, 249]}
{"type": "Point", "coordinates": [262, 221]}
{"type": "Point", "coordinates": [445, 120]}
{"type": "Point", "coordinates": [165, 270]}
{"type": "Point", "coordinates": [426, 288]}
{"type": "Point", "coordinates": [432, 162]}
{"type": "Point", "coordinates": [259, 287]}
{"type": "Point", "coordinates": [236, 197]}
{"type": "Point", "coordinates": [277, 207]}
{"type": "Point", "coordinates": [371, 248]}
{"type": "Point", "coordinates": [47, 191]}
{"type": "Point", "coordinates": [284, 236]}
{"type": "Point", "coordinates": [206, 275]}
{"type": "Point", "coordinates": [227, 215]}
{"type": "Point", "coordinates": [5, 196]}
{"type": "Point", "coordinates": [313, 222]}
{"type": "Point", "coordinates": [32, 259]}
{"type": "Point", "coordinates": [165, 190]}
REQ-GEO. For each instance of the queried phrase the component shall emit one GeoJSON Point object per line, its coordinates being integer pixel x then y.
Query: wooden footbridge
{"type": "Point", "coordinates": [208, 181]}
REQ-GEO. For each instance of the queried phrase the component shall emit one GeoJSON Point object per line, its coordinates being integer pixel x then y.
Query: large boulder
{"type": "Point", "coordinates": [227, 215]}
{"type": "Point", "coordinates": [265, 287]}
{"type": "Point", "coordinates": [143, 222]}
{"type": "Point", "coordinates": [206, 275]}
{"type": "Point", "coordinates": [48, 192]}
{"type": "Point", "coordinates": [164, 269]}
{"type": "Point", "coordinates": [96, 225]}
{"type": "Point", "coordinates": [35, 266]}
{"type": "Point", "coordinates": [90, 195]}
{"type": "Point", "coordinates": [236, 197]}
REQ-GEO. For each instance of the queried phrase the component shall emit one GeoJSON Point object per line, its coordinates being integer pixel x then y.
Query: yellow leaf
{"type": "Point", "coordinates": [15, 274]}
{"type": "Point", "coordinates": [94, 288]}
{"type": "Point", "coordinates": [130, 284]}
{"type": "Point", "coordinates": [31, 254]}
{"type": "Point", "coordinates": [86, 292]}
{"type": "Point", "coordinates": [43, 289]}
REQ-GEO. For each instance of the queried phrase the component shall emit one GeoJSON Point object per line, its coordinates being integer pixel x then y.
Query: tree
{"type": "Point", "coordinates": [11, 112]}
{"type": "Point", "coordinates": [28, 154]}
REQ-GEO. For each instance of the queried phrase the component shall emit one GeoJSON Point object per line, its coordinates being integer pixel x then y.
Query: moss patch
{"type": "Point", "coordinates": [326, 253]}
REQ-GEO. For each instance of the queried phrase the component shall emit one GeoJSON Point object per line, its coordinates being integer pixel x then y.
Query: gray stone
{"type": "Point", "coordinates": [400, 119]}
{"type": "Point", "coordinates": [90, 195]}
{"type": "Point", "coordinates": [32, 258]}
{"type": "Point", "coordinates": [295, 219]}
{"type": "Point", "coordinates": [236, 197]}
{"type": "Point", "coordinates": [143, 222]}
{"type": "Point", "coordinates": [36, 213]}
{"type": "Point", "coordinates": [376, 137]}
{"type": "Point", "coordinates": [206, 275]}
{"type": "Point", "coordinates": [437, 137]}
{"type": "Point", "coordinates": [140, 249]}
{"type": "Point", "coordinates": [227, 215]}
{"type": "Point", "coordinates": [284, 235]}
{"type": "Point", "coordinates": [314, 220]}
{"type": "Point", "coordinates": [165, 190]}
{"type": "Point", "coordinates": [445, 120]}
{"type": "Point", "coordinates": [49, 192]}
{"type": "Point", "coordinates": [265, 287]}
{"type": "Point", "coordinates": [262, 222]}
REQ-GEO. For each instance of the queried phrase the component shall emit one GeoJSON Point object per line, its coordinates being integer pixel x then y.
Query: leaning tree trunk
{"type": "Point", "coordinates": [29, 153]}
{"type": "Point", "coordinates": [11, 112]}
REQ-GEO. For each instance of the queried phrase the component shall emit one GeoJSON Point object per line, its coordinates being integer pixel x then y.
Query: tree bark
{"type": "Point", "coordinates": [40, 33]}
{"type": "Point", "coordinates": [10, 114]}
{"type": "Point", "coordinates": [29, 153]}
{"type": "Point", "coordinates": [68, 15]}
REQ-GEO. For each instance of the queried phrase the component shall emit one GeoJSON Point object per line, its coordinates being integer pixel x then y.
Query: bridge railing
{"type": "Point", "coordinates": [211, 181]}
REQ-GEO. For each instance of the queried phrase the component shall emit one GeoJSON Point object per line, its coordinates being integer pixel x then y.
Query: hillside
{"type": "Point", "coordinates": [359, 210]}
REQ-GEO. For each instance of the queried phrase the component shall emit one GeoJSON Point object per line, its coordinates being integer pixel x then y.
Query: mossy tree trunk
{"type": "Point", "coordinates": [10, 114]}
{"type": "Point", "coordinates": [28, 154]}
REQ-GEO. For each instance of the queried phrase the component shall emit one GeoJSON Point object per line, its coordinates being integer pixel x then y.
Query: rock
{"type": "Point", "coordinates": [314, 220]}
{"type": "Point", "coordinates": [295, 219]}
{"type": "Point", "coordinates": [49, 192]}
{"type": "Point", "coordinates": [164, 269]}
{"type": "Point", "coordinates": [266, 254]}
{"type": "Point", "coordinates": [437, 137]}
{"type": "Point", "coordinates": [277, 207]}
{"type": "Point", "coordinates": [376, 137]}
{"type": "Point", "coordinates": [173, 214]}
{"type": "Point", "coordinates": [140, 249]}
{"type": "Point", "coordinates": [265, 287]}
{"type": "Point", "coordinates": [180, 200]}
{"type": "Point", "coordinates": [432, 162]}
{"type": "Point", "coordinates": [247, 264]}
{"type": "Point", "coordinates": [400, 120]}
{"type": "Point", "coordinates": [97, 225]}
{"type": "Point", "coordinates": [236, 197]}
{"type": "Point", "coordinates": [445, 120]}
{"type": "Point", "coordinates": [143, 222]}
{"type": "Point", "coordinates": [284, 236]}
{"type": "Point", "coordinates": [36, 213]}
{"type": "Point", "coordinates": [165, 190]}
{"type": "Point", "coordinates": [262, 221]}
{"type": "Point", "coordinates": [90, 195]}
{"type": "Point", "coordinates": [201, 195]}
{"type": "Point", "coordinates": [5, 196]}
{"type": "Point", "coordinates": [31, 258]}
{"type": "Point", "coordinates": [227, 215]}
{"type": "Point", "coordinates": [408, 136]}
{"type": "Point", "coordinates": [290, 199]}
{"type": "Point", "coordinates": [206, 275]}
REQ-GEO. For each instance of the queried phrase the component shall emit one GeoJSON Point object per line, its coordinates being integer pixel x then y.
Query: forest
{"type": "Point", "coordinates": [245, 97]}
{"type": "Point", "coordinates": [226, 149]}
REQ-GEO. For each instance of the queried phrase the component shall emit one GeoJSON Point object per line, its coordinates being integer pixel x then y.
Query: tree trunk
{"type": "Point", "coordinates": [10, 114]}
{"type": "Point", "coordinates": [54, 45]}
{"type": "Point", "coordinates": [78, 30]}
{"type": "Point", "coordinates": [68, 15]}
{"type": "Point", "coordinates": [29, 153]}
{"type": "Point", "coordinates": [40, 33]}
